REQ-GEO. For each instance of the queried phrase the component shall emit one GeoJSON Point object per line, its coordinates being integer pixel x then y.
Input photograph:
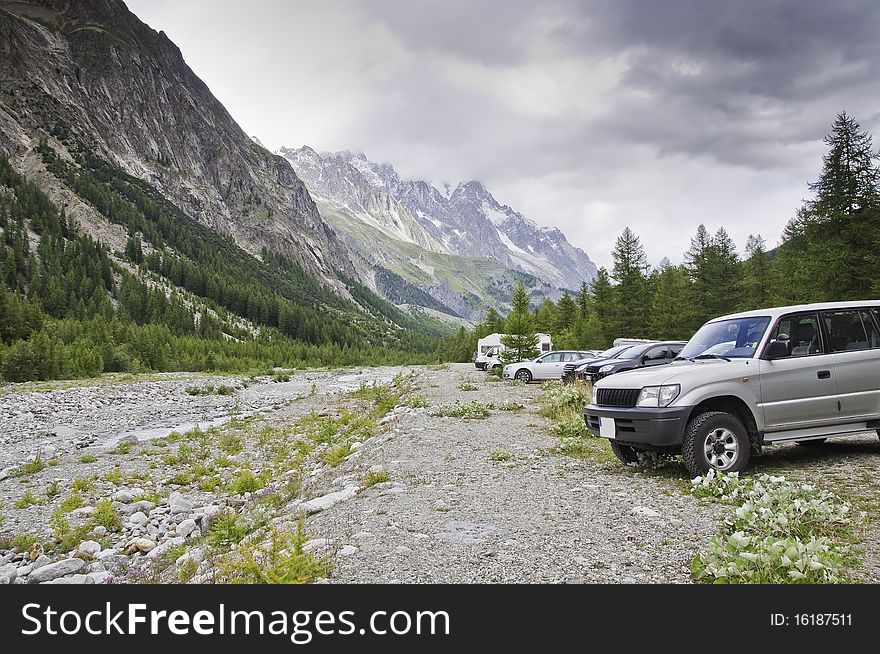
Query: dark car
{"type": "Point", "coordinates": [570, 370]}
{"type": "Point", "coordinates": [637, 356]}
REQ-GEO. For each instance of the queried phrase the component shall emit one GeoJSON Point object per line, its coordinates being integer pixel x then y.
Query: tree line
{"type": "Point", "coordinates": [830, 251]}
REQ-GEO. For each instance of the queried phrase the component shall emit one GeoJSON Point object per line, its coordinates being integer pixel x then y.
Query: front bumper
{"type": "Point", "coordinates": [641, 425]}
{"type": "Point", "coordinates": [480, 365]}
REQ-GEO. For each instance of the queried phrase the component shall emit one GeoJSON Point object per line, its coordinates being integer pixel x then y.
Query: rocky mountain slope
{"type": "Point", "coordinates": [466, 221]}
{"type": "Point", "coordinates": [91, 73]}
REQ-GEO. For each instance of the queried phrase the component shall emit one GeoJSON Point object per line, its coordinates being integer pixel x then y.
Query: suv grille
{"type": "Point", "coordinates": [625, 397]}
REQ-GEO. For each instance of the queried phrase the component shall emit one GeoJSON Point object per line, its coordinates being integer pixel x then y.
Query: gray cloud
{"type": "Point", "coordinates": [585, 115]}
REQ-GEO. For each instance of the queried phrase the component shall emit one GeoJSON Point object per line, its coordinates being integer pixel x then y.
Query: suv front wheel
{"type": "Point", "coordinates": [715, 440]}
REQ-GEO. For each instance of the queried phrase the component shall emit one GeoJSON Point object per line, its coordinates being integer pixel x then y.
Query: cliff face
{"type": "Point", "coordinates": [91, 72]}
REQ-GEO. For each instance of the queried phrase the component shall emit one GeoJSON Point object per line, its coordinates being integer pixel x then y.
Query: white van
{"type": "Point", "coordinates": [489, 350]}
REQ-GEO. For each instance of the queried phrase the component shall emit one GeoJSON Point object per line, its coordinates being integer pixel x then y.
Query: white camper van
{"type": "Point", "coordinates": [489, 350]}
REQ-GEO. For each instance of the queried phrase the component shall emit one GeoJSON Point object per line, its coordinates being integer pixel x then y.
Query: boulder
{"type": "Point", "coordinates": [56, 570]}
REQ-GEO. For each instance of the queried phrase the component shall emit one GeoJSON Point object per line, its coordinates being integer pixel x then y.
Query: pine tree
{"type": "Point", "coordinates": [670, 313]}
{"type": "Point", "coordinates": [631, 309]}
{"type": "Point", "coordinates": [605, 310]}
{"type": "Point", "coordinates": [520, 340]}
{"type": "Point", "coordinates": [757, 276]}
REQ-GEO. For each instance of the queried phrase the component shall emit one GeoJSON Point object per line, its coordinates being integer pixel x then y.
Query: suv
{"type": "Point", "coordinates": [570, 370]}
{"type": "Point", "coordinates": [546, 366]}
{"type": "Point", "coordinates": [636, 356]}
{"type": "Point", "coordinates": [791, 374]}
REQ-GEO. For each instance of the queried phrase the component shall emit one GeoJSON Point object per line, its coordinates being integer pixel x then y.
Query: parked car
{"type": "Point", "coordinates": [570, 370]}
{"type": "Point", "coordinates": [637, 356]}
{"type": "Point", "coordinates": [798, 374]}
{"type": "Point", "coordinates": [547, 366]}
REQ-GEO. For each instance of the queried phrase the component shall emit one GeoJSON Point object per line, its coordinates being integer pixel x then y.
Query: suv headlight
{"type": "Point", "coordinates": [595, 395]}
{"type": "Point", "coordinates": [607, 368]}
{"type": "Point", "coordinates": [658, 396]}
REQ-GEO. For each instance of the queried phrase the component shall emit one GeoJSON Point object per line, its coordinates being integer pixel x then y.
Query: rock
{"type": "Point", "coordinates": [55, 570]}
{"type": "Point", "coordinates": [104, 555]}
{"type": "Point", "coordinates": [186, 527]}
{"type": "Point", "coordinates": [75, 579]}
{"type": "Point", "coordinates": [144, 506]}
{"type": "Point", "coordinates": [8, 573]}
{"type": "Point", "coordinates": [178, 501]}
{"type": "Point", "coordinates": [442, 506]}
{"type": "Point", "coordinates": [196, 554]}
{"type": "Point", "coordinates": [644, 511]}
{"type": "Point", "coordinates": [41, 561]}
{"type": "Point", "coordinates": [348, 550]}
{"type": "Point", "coordinates": [61, 431]}
{"type": "Point", "coordinates": [129, 438]}
{"type": "Point", "coordinates": [356, 446]}
{"type": "Point", "coordinates": [315, 544]}
{"type": "Point", "coordinates": [402, 549]}
{"type": "Point", "coordinates": [160, 550]}
{"type": "Point", "coordinates": [326, 501]}
{"type": "Point", "coordinates": [99, 531]}
{"type": "Point", "coordinates": [138, 519]}
{"type": "Point", "coordinates": [83, 512]}
{"type": "Point", "coordinates": [7, 471]}
{"type": "Point", "coordinates": [88, 549]}
{"type": "Point", "coordinates": [101, 577]}
{"type": "Point", "coordinates": [125, 496]}
{"type": "Point", "coordinates": [139, 545]}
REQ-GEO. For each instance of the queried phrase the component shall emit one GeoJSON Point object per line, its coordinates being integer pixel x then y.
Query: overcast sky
{"type": "Point", "coordinates": [586, 115]}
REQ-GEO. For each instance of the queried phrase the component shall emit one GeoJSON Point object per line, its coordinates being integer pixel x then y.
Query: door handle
{"type": "Point", "coordinates": [824, 374]}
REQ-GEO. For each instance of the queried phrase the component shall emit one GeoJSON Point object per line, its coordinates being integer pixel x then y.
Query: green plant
{"type": "Point", "coordinates": [123, 447]}
{"type": "Point", "coordinates": [470, 411]}
{"type": "Point", "coordinates": [281, 377]}
{"type": "Point", "coordinates": [113, 476]}
{"type": "Point", "coordinates": [30, 468]}
{"type": "Point", "coordinates": [245, 482]}
{"type": "Point", "coordinates": [780, 532]}
{"type": "Point", "coordinates": [106, 516]}
{"type": "Point", "coordinates": [467, 386]}
{"type": "Point", "coordinates": [375, 477]}
{"type": "Point", "coordinates": [24, 542]}
{"type": "Point", "coordinates": [500, 456]}
{"type": "Point", "coordinates": [280, 560]}
{"type": "Point", "coordinates": [187, 570]}
{"type": "Point", "coordinates": [336, 455]}
{"type": "Point", "coordinates": [52, 489]}
{"type": "Point", "coordinates": [416, 402]}
{"type": "Point", "coordinates": [226, 530]}
{"type": "Point", "coordinates": [509, 405]}
{"type": "Point", "coordinates": [88, 458]}
{"type": "Point", "coordinates": [81, 485]}
{"type": "Point", "coordinates": [26, 500]}
{"type": "Point", "coordinates": [71, 502]}
{"type": "Point", "coordinates": [231, 443]}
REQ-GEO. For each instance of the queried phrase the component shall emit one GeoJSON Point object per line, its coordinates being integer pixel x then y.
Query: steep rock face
{"type": "Point", "coordinates": [467, 221]}
{"type": "Point", "coordinates": [90, 72]}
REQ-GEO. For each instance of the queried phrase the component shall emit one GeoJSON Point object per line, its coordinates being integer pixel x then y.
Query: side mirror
{"type": "Point", "coordinates": [777, 350]}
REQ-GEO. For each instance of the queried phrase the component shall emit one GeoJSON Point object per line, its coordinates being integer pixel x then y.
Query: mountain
{"type": "Point", "coordinates": [90, 72]}
{"type": "Point", "coordinates": [417, 225]}
{"type": "Point", "coordinates": [142, 229]}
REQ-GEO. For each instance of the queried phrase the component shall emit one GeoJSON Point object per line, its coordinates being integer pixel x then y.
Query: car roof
{"type": "Point", "coordinates": [775, 312]}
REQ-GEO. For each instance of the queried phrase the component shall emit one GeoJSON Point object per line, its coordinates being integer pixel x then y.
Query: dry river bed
{"type": "Point", "coordinates": [450, 499]}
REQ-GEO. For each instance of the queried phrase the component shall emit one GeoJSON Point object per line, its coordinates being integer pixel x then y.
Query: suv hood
{"type": "Point", "coordinates": [669, 374]}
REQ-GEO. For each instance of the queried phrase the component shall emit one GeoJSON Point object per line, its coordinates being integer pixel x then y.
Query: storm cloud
{"type": "Point", "coordinates": [586, 115]}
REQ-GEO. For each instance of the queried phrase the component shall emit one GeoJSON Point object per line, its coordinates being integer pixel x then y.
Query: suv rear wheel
{"type": "Point", "coordinates": [715, 440]}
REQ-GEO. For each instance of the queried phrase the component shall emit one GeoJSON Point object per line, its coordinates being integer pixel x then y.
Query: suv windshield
{"type": "Point", "coordinates": [737, 337]}
{"type": "Point", "coordinates": [613, 353]}
{"type": "Point", "coordinates": [636, 351]}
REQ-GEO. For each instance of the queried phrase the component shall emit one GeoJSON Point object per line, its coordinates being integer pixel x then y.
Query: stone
{"type": "Point", "coordinates": [102, 577]}
{"type": "Point", "coordinates": [315, 544]}
{"type": "Point", "coordinates": [138, 519]}
{"type": "Point", "coordinates": [196, 554]}
{"type": "Point", "coordinates": [88, 549]}
{"type": "Point", "coordinates": [326, 501]}
{"type": "Point", "coordinates": [104, 555]}
{"type": "Point", "coordinates": [160, 550]}
{"type": "Point", "coordinates": [140, 545]}
{"type": "Point", "coordinates": [644, 511]}
{"type": "Point", "coordinates": [99, 531]}
{"type": "Point", "coordinates": [42, 560]}
{"type": "Point", "coordinates": [56, 570]}
{"type": "Point", "coordinates": [83, 512]}
{"type": "Point", "coordinates": [62, 431]}
{"type": "Point", "coordinates": [178, 501]}
{"type": "Point", "coordinates": [348, 550]}
{"type": "Point", "coordinates": [125, 496]}
{"type": "Point", "coordinates": [8, 573]}
{"type": "Point", "coordinates": [186, 527]}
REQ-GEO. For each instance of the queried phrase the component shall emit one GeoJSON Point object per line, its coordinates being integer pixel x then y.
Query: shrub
{"type": "Point", "coordinates": [336, 455]}
{"type": "Point", "coordinates": [52, 489]}
{"type": "Point", "coordinates": [470, 411]}
{"type": "Point", "coordinates": [375, 477]}
{"type": "Point", "coordinates": [106, 516]}
{"type": "Point", "coordinates": [113, 476]}
{"type": "Point", "coordinates": [226, 530]}
{"type": "Point", "coordinates": [24, 542]}
{"type": "Point", "coordinates": [415, 402]}
{"type": "Point", "coordinates": [500, 456]}
{"type": "Point", "coordinates": [88, 458]}
{"type": "Point", "coordinates": [26, 500]}
{"type": "Point", "coordinates": [230, 443]}
{"type": "Point", "coordinates": [244, 482]}
{"type": "Point", "coordinates": [280, 560]}
{"type": "Point", "coordinates": [71, 502]}
{"type": "Point", "coordinates": [467, 386]}
{"type": "Point", "coordinates": [81, 485]}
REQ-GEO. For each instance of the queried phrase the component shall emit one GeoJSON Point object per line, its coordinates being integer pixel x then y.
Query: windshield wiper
{"type": "Point", "coordinates": [711, 356]}
{"type": "Point", "coordinates": [681, 358]}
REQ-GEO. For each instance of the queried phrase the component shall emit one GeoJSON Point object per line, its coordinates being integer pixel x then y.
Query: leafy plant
{"type": "Point", "coordinates": [375, 477]}
{"type": "Point", "coordinates": [26, 500]}
{"type": "Point", "coordinates": [106, 516]}
{"type": "Point", "coordinates": [280, 560]}
{"type": "Point", "coordinates": [88, 458]}
{"type": "Point", "coordinates": [466, 411]}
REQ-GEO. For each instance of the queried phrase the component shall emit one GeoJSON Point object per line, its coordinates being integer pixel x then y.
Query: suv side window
{"type": "Point", "coordinates": [846, 331]}
{"type": "Point", "coordinates": [871, 328]}
{"type": "Point", "coordinates": [803, 332]}
{"type": "Point", "coordinates": [675, 350]}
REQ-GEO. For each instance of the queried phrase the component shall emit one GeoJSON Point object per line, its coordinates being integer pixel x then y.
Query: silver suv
{"type": "Point", "coordinates": [790, 374]}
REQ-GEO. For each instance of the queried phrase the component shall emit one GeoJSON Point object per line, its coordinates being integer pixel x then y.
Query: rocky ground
{"type": "Point", "coordinates": [109, 482]}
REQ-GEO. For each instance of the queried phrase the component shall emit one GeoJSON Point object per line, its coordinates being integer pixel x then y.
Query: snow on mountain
{"type": "Point", "coordinates": [465, 221]}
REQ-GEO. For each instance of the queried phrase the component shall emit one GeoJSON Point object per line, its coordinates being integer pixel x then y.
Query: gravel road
{"type": "Point", "coordinates": [466, 500]}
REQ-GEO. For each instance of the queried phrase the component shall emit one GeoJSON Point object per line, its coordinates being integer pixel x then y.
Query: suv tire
{"type": "Point", "coordinates": [523, 375]}
{"type": "Point", "coordinates": [715, 440]}
{"type": "Point", "coordinates": [624, 453]}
